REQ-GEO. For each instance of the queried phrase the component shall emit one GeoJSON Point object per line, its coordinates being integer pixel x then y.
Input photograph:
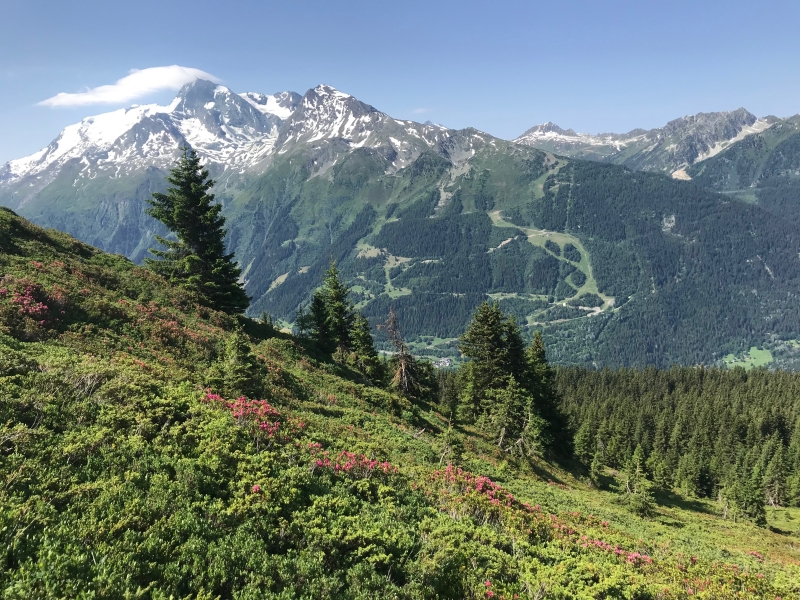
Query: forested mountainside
{"type": "Point", "coordinates": [578, 248]}
{"type": "Point", "coordinates": [155, 448]}
{"type": "Point", "coordinates": [617, 267]}
{"type": "Point", "coordinates": [669, 149]}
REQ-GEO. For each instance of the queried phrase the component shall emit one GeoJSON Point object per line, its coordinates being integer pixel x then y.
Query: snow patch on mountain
{"type": "Point", "coordinates": [280, 105]}
{"type": "Point", "coordinates": [757, 127]}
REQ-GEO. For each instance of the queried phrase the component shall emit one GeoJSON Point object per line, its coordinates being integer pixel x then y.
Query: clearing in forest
{"type": "Point", "coordinates": [754, 358]}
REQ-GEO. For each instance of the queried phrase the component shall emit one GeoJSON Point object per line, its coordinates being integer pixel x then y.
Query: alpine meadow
{"type": "Point", "coordinates": [288, 345]}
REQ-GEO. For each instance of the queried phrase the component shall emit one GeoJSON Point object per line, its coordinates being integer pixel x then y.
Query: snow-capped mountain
{"type": "Point", "coordinates": [669, 149]}
{"type": "Point", "coordinates": [93, 180]}
{"type": "Point", "coordinates": [233, 133]}
{"type": "Point", "coordinates": [325, 113]}
{"type": "Point", "coordinates": [229, 130]}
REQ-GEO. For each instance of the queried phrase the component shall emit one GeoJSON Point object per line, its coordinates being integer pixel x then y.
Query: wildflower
{"type": "Point", "coordinates": [256, 489]}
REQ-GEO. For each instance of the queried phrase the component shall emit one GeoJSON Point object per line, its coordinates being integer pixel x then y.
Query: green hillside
{"type": "Point", "coordinates": [131, 469]}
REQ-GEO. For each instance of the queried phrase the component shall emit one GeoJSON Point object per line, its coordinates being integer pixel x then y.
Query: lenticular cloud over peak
{"type": "Point", "coordinates": [137, 84]}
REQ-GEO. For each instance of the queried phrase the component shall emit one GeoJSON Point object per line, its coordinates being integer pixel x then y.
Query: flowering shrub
{"type": "Point", "coordinates": [357, 466]}
{"type": "Point", "coordinates": [258, 416]}
{"type": "Point", "coordinates": [30, 308]}
{"type": "Point", "coordinates": [29, 305]}
{"type": "Point", "coordinates": [462, 494]}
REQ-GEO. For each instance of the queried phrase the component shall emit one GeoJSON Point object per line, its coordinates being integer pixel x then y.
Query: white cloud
{"type": "Point", "coordinates": [131, 87]}
{"type": "Point", "coordinates": [421, 111]}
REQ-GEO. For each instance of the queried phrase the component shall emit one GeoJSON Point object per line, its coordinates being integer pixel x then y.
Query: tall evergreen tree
{"type": "Point", "coordinates": [514, 423]}
{"type": "Point", "coordinates": [597, 468]}
{"type": "Point", "coordinates": [316, 322]}
{"type": "Point", "coordinates": [196, 260]}
{"type": "Point", "coordinates": [634, 489]}
{"type": "Point", "coordinates": [332, 315]}
{"type": "Point", "coordinates": [774, 472]}
{"type": "Point", "coordinates": [363, 356]}
{"type": "Point", "coordinates": [449, 392]}
{"type": "Point", "coordinates": [494, 346]}
{"type": "Point", "coordinates": [584, 441]}
{"type": "Point", "coordinates": [541, 385]}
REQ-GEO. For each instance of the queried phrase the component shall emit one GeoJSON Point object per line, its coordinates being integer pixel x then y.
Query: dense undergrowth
{"type": "Point", "coordinates": [131, 465]}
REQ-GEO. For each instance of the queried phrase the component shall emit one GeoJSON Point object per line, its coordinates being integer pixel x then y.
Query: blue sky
{"type": "Point", "coordinates": [498, 66]}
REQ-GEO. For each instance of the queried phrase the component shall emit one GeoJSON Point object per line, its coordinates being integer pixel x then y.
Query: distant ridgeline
{"type": "Point", "coordinates": [616, 267]}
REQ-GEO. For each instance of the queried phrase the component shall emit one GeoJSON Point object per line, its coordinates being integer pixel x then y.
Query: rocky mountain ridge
{"type": "Point", "coordinates": [669, 149]}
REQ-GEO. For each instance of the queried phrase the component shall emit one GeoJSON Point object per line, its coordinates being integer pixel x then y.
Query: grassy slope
{"type": "Point", "coordinates": [121, 478]}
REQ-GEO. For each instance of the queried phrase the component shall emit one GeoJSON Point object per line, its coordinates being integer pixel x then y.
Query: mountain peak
{"type": "Point", "coordinates": [548, 129]}
{"type": "Point", "coordinates": [200, 87]}
{"type": "Point", "coordinates": [327, 90]}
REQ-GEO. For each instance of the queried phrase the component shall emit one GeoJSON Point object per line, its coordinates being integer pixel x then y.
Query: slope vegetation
{"type": "Point", "coordinates": [692, 276]}
{"type": "Point", "coordinates": [152, 448]}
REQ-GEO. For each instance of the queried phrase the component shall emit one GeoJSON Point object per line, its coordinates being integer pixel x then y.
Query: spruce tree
{"type": "Point", "coordinates": [332, 315]}
{"type": "Point", "coordinates": [449, 393]}
{"type": "Point", "coordinates": [584, 438]}
{"type": "Point", "coordinates": [635, 488]}
{"type": "Point", "coordinates": [315, 321]}
{"type": "Point", "coordinates": [774, 478]}
{"type": "Point", "coordinates": [597, 469]}
{"type": "Point", "coordinates": [195, 260]}
{"type": "Point", "coordinates": [363, 356]}
{"type": "Point", "coordinates": [494, 346]}
{"type": "Point", "coordinates": [514, 423]}
{"type": "Point", "coordinates": [236, 372]}
{"type": "Point", "coordinates": [541, 385]}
